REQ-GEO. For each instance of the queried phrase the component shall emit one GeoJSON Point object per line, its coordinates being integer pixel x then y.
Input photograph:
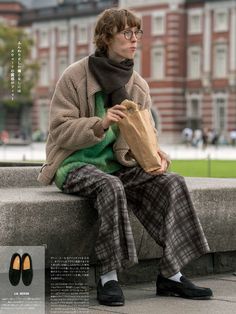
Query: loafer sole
{"type": "Point", "coordinates": [174, 294]}
{"type": "Point", "coordinates": [111, 303]}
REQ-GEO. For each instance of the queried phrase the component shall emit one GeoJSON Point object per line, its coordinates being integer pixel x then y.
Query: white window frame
{"type": "Point", "coordinates": [155, 30]}
{"type": "Point", "coordinates": [191, 72]}
{"type": "Point", "coordinates": [81, 40]}
{"type": "Point", "coordinates": [218, 72]}
{"type": "Point", "coordinates": [154, 75]}
{"type": "Point", "coordinates": [191, 29]}
{"type": "Point", "coordinates": [43, 38]}
{"type": "Point", "coordinates": [63, 40]}
{"type": "Point", "coordinates": [217, 27]}
{"type": "Point", "coordinates": [44, 77]}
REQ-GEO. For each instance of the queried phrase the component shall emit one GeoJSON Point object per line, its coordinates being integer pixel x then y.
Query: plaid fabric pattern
{"type": "Point", "coordinates": [161, 203]}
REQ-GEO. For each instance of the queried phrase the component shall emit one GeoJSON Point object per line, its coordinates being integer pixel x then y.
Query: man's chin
{"type": "Point", "coordinates": [131, 56]}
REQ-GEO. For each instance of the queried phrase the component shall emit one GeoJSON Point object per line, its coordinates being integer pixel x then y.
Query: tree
{"type": "Point", "coordinates": [18, 74]}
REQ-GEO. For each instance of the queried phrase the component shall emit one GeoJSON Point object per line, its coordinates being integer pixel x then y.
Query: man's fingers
{"type": "Point", "coordinates": [121, 107]}
{"type": "Point", "coordinates": [157, 172]}
{"type": "Point", "coordinates": [114, 117]}
{"type": "Point", "coordinates": [117, 112]}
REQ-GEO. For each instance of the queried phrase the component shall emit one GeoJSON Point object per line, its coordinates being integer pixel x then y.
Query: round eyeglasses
{"type": "Point", "coordinates": [128, 34]}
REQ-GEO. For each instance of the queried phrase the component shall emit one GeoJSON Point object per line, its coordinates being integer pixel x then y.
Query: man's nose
{"type": "Point", "coordinates": [133, 38]}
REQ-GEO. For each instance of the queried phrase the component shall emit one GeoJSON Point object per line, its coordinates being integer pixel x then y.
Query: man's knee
{"type": "Point", "coordinates": [112, 183]}
{"type": "Point", "coordinates": [174, 181]}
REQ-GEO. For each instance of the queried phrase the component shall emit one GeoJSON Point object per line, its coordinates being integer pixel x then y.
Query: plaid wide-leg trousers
{"type": "Point", "coordinates": [161, 203]}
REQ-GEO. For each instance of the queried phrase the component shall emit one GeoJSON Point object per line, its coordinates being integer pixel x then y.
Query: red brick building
{"type": "Point", "coordinates": [187, 55]}
{"type": "Point", "coordinates": [10, 12]}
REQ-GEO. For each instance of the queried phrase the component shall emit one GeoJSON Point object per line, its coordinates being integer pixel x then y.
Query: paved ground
{"type": "Point", "coordinates": [36, 152]}
{"type": "Point", "coordinates": [141, 299]}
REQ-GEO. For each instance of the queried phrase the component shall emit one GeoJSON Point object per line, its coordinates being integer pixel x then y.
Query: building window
{"type": "Point", "coordinates": [194, 108]}
{"type": "Point", "coordinates": [194, 63]}
{"type": "Point", "coordinates": [194, 24]}
{"type": "Point", "coordinates": [137, 62]}
{"type": "Point", "coordinates": [220, 114]}
{"type": "Point", "coordinates": [62, 65]}
{"type": "Point", "coordinates": [44, 73]}
{"type": "Point", "coordinates": [43, 39]}
{"type": "Point", "coordinates": [221, 21]}
{"type": "Point", "coordinates": [158, 63]}
{"type": "Point", "coordinates": [220, 61]}
{"type": "Point", "coordinates": [158, 24]}
{"type": "Point", "coordinates": [63, 37]}
{"type": "Point", "coordinates": [193, 113]}
{"type": "Point", "coordinates": [82, 34]}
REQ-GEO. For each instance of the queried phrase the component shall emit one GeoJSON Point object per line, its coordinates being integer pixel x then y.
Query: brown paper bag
{"type": "Point", "coordinates": [139, 134]}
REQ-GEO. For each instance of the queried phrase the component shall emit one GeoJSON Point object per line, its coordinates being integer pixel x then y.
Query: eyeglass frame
{"type": "Point", "coordinates": [138, 31]}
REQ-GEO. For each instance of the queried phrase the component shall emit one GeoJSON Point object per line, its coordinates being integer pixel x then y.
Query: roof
{"type": "Point", "coordinates": [88, 8]}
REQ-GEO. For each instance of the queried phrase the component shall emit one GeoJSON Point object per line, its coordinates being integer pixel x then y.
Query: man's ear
{"type": "Point", "coordinates": [107, 41]}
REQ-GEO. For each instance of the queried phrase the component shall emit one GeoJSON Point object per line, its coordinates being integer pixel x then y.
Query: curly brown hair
{"type": "Point", "coordinates": [110, 22]}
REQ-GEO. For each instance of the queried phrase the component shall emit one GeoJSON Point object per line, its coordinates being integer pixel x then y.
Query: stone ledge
{"type": "Point", "coordinates": [36, 215]}
{"type": "Point", "coordinates": [19, 176]}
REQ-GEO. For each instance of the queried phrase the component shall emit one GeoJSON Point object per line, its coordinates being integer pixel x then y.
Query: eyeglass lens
{"type": "Point", "coordinates": [129, 34]}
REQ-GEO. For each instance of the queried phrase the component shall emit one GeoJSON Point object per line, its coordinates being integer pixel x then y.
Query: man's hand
{"type": "Point", "coordinates": [113, 114]}
{"type": "Point", "coordinates": [164, 161]}
{"type": "Point", "coordinates": [164, 164]}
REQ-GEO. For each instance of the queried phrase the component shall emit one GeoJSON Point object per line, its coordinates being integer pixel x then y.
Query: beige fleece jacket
{"type": "Point", "coordinates": [72, 124]}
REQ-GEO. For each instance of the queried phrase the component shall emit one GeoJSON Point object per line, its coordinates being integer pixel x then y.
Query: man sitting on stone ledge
{"type": "Point", "coordinates": [86, 155]}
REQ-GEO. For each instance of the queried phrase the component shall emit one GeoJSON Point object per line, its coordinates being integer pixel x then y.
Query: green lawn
{"type": "Point", "coordinates": [205, 168]}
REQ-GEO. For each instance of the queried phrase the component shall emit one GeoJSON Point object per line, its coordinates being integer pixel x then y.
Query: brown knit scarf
{"type": "Point", "coordinates": [112, 76]}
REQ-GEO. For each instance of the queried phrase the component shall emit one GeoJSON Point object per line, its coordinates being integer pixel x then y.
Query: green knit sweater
{"type": "Point", "coordinates": [100, 155]}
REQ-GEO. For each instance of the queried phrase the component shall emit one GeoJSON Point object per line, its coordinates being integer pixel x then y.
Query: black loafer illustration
{"type": "Point", "coordinates": [27, 269]}
{"type": "Point", "coordinates": [15, 269]}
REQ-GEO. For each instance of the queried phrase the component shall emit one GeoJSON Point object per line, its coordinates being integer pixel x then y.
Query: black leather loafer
{"type": "Point", "coordinates": [185, 289]}
{"type": "Point", "coordinates": [110, 294]}
{"type": "Point", "coordinates": [15, 269]}
{"type": "Point", "coordinates": [27, 269]}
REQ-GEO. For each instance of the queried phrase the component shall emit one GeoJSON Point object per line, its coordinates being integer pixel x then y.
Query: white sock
{"type": "Point", "coordinates": [111, 275]}
{"type": "Point", "coordinates": [176, 277]}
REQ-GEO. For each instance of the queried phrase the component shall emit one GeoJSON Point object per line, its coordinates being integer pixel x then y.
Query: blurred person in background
{"type": "Point", "coordinates": [232, 135]}
{"type": "Point", "coordinates": [204, 138]}
{"type": "Point", "coordinates": [187, 135]}
{"type": "Point", "coordinates": [215, 138]}
{"type": "Point", "coordinates": [197, 138]}
{"type": "Point", "coordinates": [4, 137]}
